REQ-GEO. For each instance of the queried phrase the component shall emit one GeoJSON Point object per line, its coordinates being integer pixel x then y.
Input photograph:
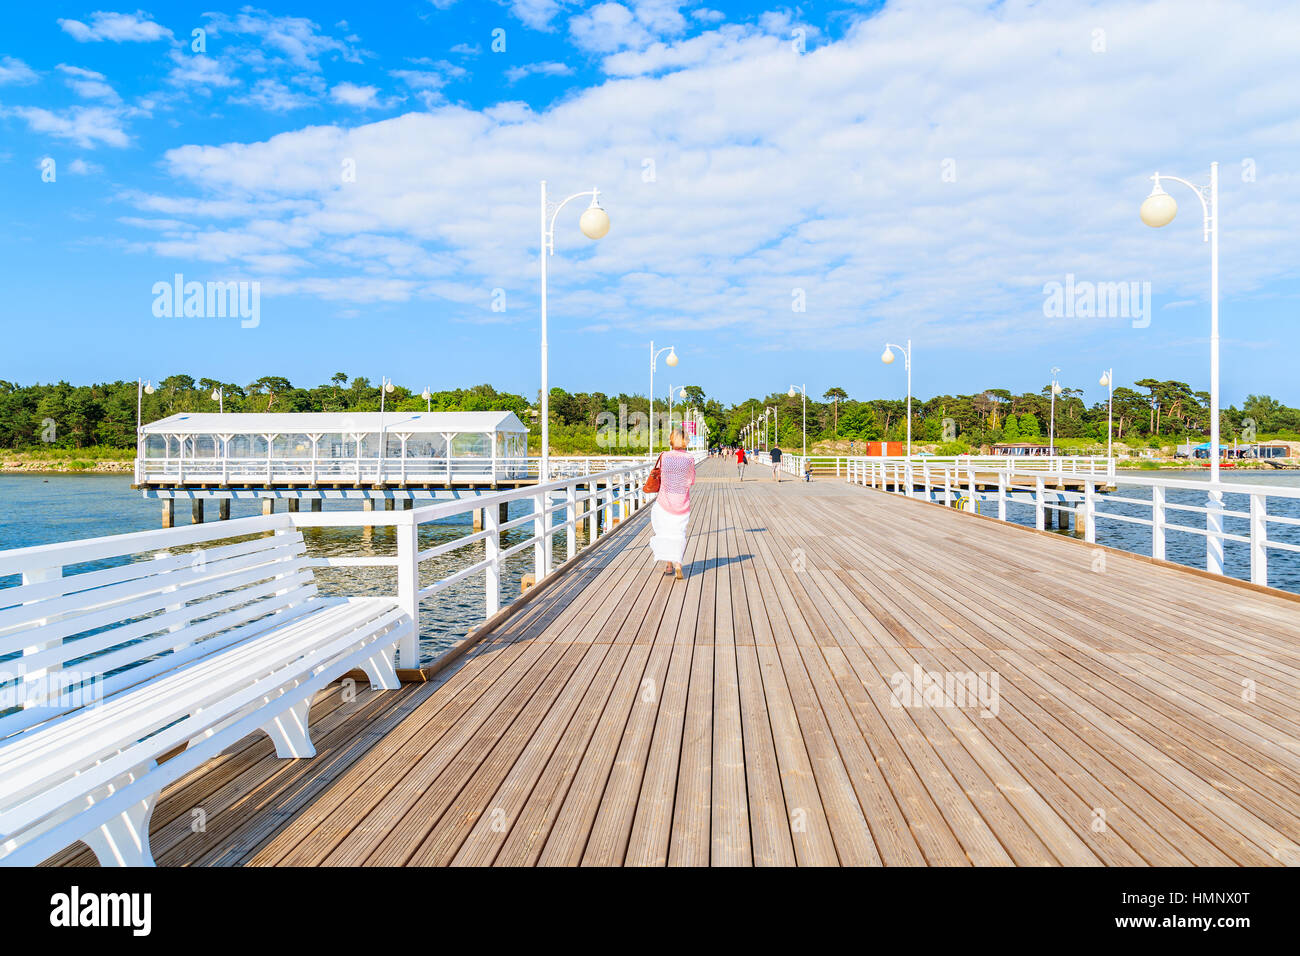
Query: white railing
{"type": "Point", "coordinates": [560, 506]}
{"type": "Point", "coordinates": [1073, 464]}
{"type": "Point", "coordinates": [366, 470]}
{"type": "Point", "coordinates": [1094, 499]}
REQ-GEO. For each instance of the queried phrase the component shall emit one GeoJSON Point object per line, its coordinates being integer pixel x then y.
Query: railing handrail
{"type": "Point", "coordinates": [1097, 491]}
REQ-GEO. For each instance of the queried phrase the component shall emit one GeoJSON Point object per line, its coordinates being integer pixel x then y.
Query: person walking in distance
{"type": "Point", "coordinates": [776, 463]}
{"type": "Point", "coordinates": [740, 461]}
{"type": "Point", "coordinates": [672, 508]}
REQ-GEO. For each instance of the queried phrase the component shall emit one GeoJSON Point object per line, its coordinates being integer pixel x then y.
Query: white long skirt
{"type": "Point", "coordinates": [669, 540]}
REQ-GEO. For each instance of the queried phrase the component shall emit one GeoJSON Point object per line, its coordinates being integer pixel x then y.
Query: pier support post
{"type": "Point", "coordinates": [268, 506]}
{"type": "Point", "coordinates": [196, 511]}
{"type": "Point", "coordinates": [477, 519]}
{"type": "Point", "coordinates": [294, 505]}
{"type": "Point", "coordinates": [390, 504]}
{"type": "Point", "coordinates": [223, 509]}
{"type": "Point", "coordinates": [367, 504]}
{"type": "Point", "coordinates": [1063, 519]}
{"type": "Point", "coordinates": [1080, 519]}
{"type": "Point", "coordinates": [316, 504]}
{"type": "Point", "coordinates": [503, 512]}
{"type": "Point", "coordinates": [168, 512]}
{"type": "Point", "coordinates": [408, 504]}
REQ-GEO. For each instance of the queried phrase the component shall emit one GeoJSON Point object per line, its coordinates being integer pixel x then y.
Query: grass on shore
{"type": "Point", "coordinates": [90, 453]}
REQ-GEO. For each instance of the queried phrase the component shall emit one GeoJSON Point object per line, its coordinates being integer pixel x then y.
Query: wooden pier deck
{"type": "Point", "coordinates": [1145, 715]}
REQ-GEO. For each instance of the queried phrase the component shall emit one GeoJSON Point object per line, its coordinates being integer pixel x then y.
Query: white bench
{"type": "Point", "coordinates": [109, 670]}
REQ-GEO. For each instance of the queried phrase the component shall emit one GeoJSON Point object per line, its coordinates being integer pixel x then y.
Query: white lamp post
{"type": "Point", "coordinates": [674, 393]}
{"type": "Point", "coordinates": [428, 399]}
{"type": "Point", "coordinates": [1051, 429]}
{"type": "Point", "coordinates": [1107, 381]}
{"type": "Point", "coordinates": [385, 389]}
{"type": "Point", "coordinates": [594, 223]}
{"type": "Point", "coordinates": [888, 357]}
{"type": "Point", "coordinates": [142, 388]}
{"type": "Point", "coordinates": [804, 389]}
{"type": "Point", "coordinates": [1159, 209]}
{"type": "Point", "coordinates": [219, 396]}
{"type": "Point", "coordinates": [671, 362]}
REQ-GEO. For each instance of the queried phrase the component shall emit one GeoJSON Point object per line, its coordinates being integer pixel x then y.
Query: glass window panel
{"type": "Point", "coordinates": [471, 445]}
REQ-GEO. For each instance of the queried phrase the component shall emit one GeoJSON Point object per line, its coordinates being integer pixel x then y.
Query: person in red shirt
{"type": "Point", "coordinates": [740, 462]}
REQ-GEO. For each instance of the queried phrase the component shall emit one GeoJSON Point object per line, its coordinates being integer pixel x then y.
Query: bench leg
{"type": "Point", "coordinates": [289, 732]}
{"type": "Point", "coordinates": [124, 840]}
{"type": "Point", "coordinates": [379, 668]}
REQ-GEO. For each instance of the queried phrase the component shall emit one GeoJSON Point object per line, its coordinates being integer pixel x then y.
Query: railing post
{"type": "Point", "coordinates": [539, 532]}
{"type": "Point", "coordinates": [408, 588]}
{"type": "Point", "coordinates": [1089, 511]}
{"type": "Point", "coordinates": [1002, 496]}
{"type": "Point", "coordinates": [1158, 522]}
{"type": "Point", "coordinates": [492, 552]}
{"type": "Point", "coordinates": [1038, 502]}
{"type": "Point", "coordinates": [571, 517]}
{"type": "Point", "coordinates": [1259, 539]}
{"type": "Point", "coordinates": [36, 699]}
{"type": "Point", "coordinates": [1214, 532]}
{"type": "Point", "coordinates": [947, 488]}
{"type": "Point", "coordinates": [593, 522]}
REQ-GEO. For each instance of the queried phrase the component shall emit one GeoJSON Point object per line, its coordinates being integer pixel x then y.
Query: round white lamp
{"type": "Point", "coordinates": [595, 221]}
{"type": "Point", "coordinates": [1159, 208]}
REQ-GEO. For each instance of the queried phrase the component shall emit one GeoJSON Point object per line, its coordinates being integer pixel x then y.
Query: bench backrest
{"type": "Point", "coordinates": [68, 640]}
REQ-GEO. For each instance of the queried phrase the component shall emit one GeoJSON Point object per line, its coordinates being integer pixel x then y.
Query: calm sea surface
{"type": "Point", "coordinates": [42, 509]}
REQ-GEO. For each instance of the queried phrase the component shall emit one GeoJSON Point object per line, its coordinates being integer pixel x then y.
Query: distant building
{"type": "Point", "coordinates": [1021, 449]}
{"type": "Point", "coordinates": [1268, 449]}
{"type": "Point", "coordinates": [310, 448]}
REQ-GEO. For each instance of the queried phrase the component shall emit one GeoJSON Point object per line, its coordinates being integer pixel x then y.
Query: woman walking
{"type": "Point", "coordinates": [672, 508]}
{"type": "Point", "coordinates": [740, 461]}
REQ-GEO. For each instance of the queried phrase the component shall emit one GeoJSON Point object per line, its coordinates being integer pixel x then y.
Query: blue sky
{"type": "Point", "coordinates": [789, 188]}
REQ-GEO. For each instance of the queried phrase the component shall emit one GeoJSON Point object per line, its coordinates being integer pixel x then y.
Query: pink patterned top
{"type": "Point", "coordinates": [676, 476]}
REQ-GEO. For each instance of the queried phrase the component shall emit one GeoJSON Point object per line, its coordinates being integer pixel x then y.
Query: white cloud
{"type": "Point", "coordinates": [15, 72]}
{"type": "Point", "coordinates": [297, 39]}
{"type": "Point", "coordinates": [81, 167]}
{"type": "Point", "coordinates": [88, 84]}
{"type": "Point", "coordinates": [535, 13]}
{"type": "Point", "coordinates": [517, 73]}
{"type": "Point", "coordinates": [136, 27]}
{"type": "Point", "coordinates": [200, 71]}
{"type": "Point", "coordinates": [274, 97]}
{"type": "Point", "coordinates": [608, 27]}
{"type": "Point", "coordinates": [87, 126]}
{"type": "Point", "coordinates": [350, 94]}
{"type": "Point", "coordinates": [822, 172]}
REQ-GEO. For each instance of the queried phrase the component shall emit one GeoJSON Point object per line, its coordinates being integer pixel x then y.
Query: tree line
{"type": "Point", "coordinates": [1152, 412]}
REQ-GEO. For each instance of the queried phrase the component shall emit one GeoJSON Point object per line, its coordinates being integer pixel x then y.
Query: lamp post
{"type": "Point", "coordinates": [142, 387]}
{"type": "Point", "coordinates": [385, 388]}
{"type": "Point", "coordinates": [680, 390]}
{"type": "Point", "coordinates": [1107, 381]}
{"type": "Point", "coordinates": [804, 389]}
{"type": "Point", "coordinates": [1157, 210]}
{"type": "Point", "coordinates": [1051, 429]}
{"type": "Point", "coordinates": [888, 358]}
{"type": "Point", "coordinates": [219, 396]}
{"type": "Point", "coordinates": [594, 223]}
{"type": "Point", "coordinates": [428, 399]}
{"type": "Point", "coordinates": [671, 362]}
